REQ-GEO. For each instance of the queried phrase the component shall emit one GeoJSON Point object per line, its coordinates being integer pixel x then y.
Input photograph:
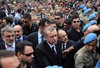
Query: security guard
{"type": "Point", "coordinates": [86, 57]}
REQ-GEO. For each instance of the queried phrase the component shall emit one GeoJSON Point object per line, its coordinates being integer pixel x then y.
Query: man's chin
{"type": "Point", "coordinates": [17, 36]}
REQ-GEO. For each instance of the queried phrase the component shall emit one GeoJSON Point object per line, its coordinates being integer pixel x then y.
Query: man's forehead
{"type": "Point", "coordinates": [93, 28]}
{"type": "Point", "coordinates": [11, 32]}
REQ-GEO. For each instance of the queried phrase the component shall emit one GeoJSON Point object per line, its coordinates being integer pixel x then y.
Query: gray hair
{"type": "Point", "coordinates": [7, 28]}
{"type": "Point", "coordinates": [50, 28]}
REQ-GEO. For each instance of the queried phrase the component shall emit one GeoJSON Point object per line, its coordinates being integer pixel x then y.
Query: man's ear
{"type": "Point", "coordinates": [19, 55]}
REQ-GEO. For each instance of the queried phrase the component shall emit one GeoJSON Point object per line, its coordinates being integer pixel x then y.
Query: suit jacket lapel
{"type": "Point", "coordinates": [49, 51]}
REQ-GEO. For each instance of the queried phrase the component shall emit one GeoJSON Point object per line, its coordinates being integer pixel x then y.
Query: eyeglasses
{"type": "Point", "coordinates": [8, 36]}
{"type": "Point", "coordinates": [28, 54]}
{"type": "Point", "coordinates": [76, 21]}
{"type": "Point", "coordinates": [57, 18]}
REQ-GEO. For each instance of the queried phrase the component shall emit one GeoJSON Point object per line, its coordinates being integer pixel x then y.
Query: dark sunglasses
{"type": "Point", "coordinates": [57, 18]}
{"type": "Point", "coordinates": [10, 36]}
{"type": "Point", "coordinates": [76, 21]}
{"type": "Point", "coordinates": [28, 54]}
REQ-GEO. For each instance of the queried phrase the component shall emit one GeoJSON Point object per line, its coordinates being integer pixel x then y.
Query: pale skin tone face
{"type": "Point", "coordinates": [76, 23]}
{"type": "Point", "coordinates": [59, 21]}
{"type": "Point", "coordinates": [23, 57]}
{"type": "Point", "coordinates": [8, 37]}
{"type": "Point", "coordinates": [48, 16]}
{"type": "Point", "coordinates": [18, 31]}
{"type": "Point", "coordinates": [27, 21]}
{"type": "Point", "coordinates": [62, 35]}
{"type": "Point", "coordinates": [91, 29]}
{"type": "Point", "coordinates": [10, 62]}
{"type": "Point", "coordinates": [51, 37]}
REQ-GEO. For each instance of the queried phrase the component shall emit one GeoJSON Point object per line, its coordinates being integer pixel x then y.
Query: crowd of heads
{"type": "Point", "coordinates": [52, 18]}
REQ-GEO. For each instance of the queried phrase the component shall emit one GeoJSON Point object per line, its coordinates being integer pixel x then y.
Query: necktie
{"type": "Point", "coordinates": [18, 40]}
{"type": "Point", "coordinates": [42, 38]}
{"type": "Point", "coordinates": [53, 50]}
{"type": "Point", "coordinates": [63, 47]}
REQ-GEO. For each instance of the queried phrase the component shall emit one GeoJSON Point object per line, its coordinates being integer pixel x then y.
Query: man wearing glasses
{"type": "Point", "coordinates": [75, 32]}
{"type": "Point", "coordinates": [86, 57]}
{"type": "Point", "coordinates": [8, 37]}
{"type": "Point", "coordinates": [25, 54]}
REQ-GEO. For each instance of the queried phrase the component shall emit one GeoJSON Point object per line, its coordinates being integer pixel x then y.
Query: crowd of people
{"type": "Point", "coordinates": [50, 34]}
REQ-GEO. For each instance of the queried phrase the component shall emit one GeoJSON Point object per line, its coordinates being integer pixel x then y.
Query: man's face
{"type": "Point", "coordinates": [26, 21]}
{"type": "Point", "coordinates": [58, 20]}
{"type": "Point", "coordinates": [76, 23]}
{"type": "Point", "coordinates": [48, 16]}
{"type": "Point", "coordinates": [91, 46]}
{"type": "Point", "coordinates": [51, 37]}
{"type": "Point", "coordinates": [10, 62]}
{"type": "Point", "coordinates": [18, 32]}
{"type": "Point", "coordinates": [66, 26]}
{"type": "Point", "coordinates": [43, 11]}
{"type": "Point", "coordinates": [9, 38]}
{"type": "Point", "coordinates": [63, 36]}
{"type": "Point", "coordinates": [27, 56]}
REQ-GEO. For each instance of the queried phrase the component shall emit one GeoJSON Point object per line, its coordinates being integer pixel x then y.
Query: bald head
{"type": "Point", "coordinates": [93, 28]}
{"type": "Point", "coordinates": [18, 31]}
{"type": "Point", "coordinates": [17, 27]}
{"type": "Point", "coordinates": [62, 35]}
{"type": "Point", "coordinates": [60, 32]}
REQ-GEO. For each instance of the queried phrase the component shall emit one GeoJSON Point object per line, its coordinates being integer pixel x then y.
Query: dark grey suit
{"type": "Point", "coordinates": [45, 56]}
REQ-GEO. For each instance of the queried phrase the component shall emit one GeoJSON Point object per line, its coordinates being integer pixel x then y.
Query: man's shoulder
{"type": "Point", "coordinates": [33, 34]}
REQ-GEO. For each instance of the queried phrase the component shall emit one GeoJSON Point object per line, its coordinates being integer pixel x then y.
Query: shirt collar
{"type": "Point", "coordinates": [39, 35]}
{"type": "Point", "coordinates": [21, 37]}
{"type": "Point", "coordinates": [51, 45]}
{"type": "Point", "coordinates": [13, 45]}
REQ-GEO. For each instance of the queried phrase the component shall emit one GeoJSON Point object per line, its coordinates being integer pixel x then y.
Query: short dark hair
{"type": "Point", "coordinates": [43, 21]}
{"type": "Point", "coordinates": [59, 14]}
{"type": "Point", "coordinates": [6, 54]}
{"type": "Point", "coordinates": [9, 20]}
{"type": "Point", "coordinates": [74, 16]}
{"type": "Point", "coordinates": [20, 47]}
{"type": "Point", "coordinates": [68, 21]}
{"type": "Point", "coordinates": [27, 15]}
{"type": "Point", "coordinates": [52, 22]}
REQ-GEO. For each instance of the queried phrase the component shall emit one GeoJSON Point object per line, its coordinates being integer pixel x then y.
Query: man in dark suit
{"type": "Point", "coordinates": [37, 37]}
{"type": "Point", "coordinates": [48, 52]}
{"type": "Point", "coordinates": [19, 34]}
{"type": "Point", "coordinates": [8, 37]}
{"type": "Point", "coordinates": [68, 61]}
{"type": "Point", "coordinates": [28, 26]}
